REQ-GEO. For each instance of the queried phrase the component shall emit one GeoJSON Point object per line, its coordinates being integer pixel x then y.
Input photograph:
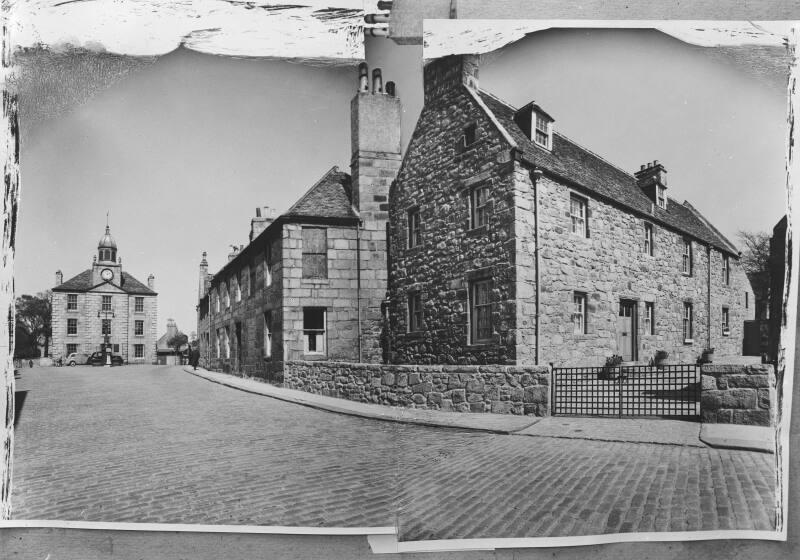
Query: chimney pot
{"type": "Point", "coordinates": [258, 212]}
{"type": "Point", "coordinates": [655, 162]}
{"type": "Point", "coordinates": [377, 81]}
{"type": "Point", "coordinates": [384, 4]}
{"type": "Point", "coordinates": [641, 167]}
{"type": "Point", "coordinates": [390, 88]}
{"type": "Point", "coordinates": [151, 281]}
{"type": "Point", "coordinates": [363, 77]}
{"type": "Point", "coordinates": [59, 278]}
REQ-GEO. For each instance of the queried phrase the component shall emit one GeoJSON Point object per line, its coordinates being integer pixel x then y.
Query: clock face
{"type": "Point", "coordinates": [107, 274]}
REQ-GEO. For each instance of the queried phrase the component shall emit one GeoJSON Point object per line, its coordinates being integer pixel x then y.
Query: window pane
{"type": "Point", "coordinates": [315, 240]}
{"type": "Point", "coordinates": [315, 266]}
{"type": "Point", "coordinates": [313, 319]}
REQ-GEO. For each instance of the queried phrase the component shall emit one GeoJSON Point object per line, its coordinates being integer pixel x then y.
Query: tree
{"type": "Point", "coordinates": [178, 341]}
{"type": "Point", "coordinates": [755, 261]}
{"type": "Point", "coordinates": [34, 316]}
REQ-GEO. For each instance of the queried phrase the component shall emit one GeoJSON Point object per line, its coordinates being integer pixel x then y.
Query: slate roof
{"type": "Point", "coordinates": [83, 283]}
{"type": "Point", "coordinates": [588, 170]}
{"type": "Point", "coordinates": [330, 197]}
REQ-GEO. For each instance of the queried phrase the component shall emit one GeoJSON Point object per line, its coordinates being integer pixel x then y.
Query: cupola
{"type": "Point", "coordinates": [107, 248]}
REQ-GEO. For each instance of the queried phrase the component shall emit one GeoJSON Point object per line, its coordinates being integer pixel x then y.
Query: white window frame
{"type": "Point", "coordinates": [106, 304]}
{"type": "Point", "coordinates": [322, 334]}
{"type": "Point", "coordinates": [217, 344]}
{"type": "Point", "coordinates": [414, 234]}
{"type": "Point", "coordinates": [138, 350]}
{"type": "Point", "coordinates": [726, 270]}
{"type": "Point", "coordinates": [226, 342]}
{"type": "Point", "coordinates": [138, 323]}
{"type": "Point", "coordinates": [72, 321]}
{"type": "Point", "coordinates": [268, 334]}
{"type": "Point", "coordinates": [579, 313]}
{"type": "Point", "coordinates": [649, 318]}
{"type": "Point", "coordinates": [688, 322]}
{"type": "Point", "coordinates": [726, 321]}
{"type": "Point", "coordinates": [687, 257]}
{"type": "Point", "coordinates": [648, 239]}
{"type": "Point", "coordinates": [138, 304]}
{"type": "Point", "coordinates": [475, 309]}
{"type": "Point", "coordinates": [661, 196]}
{"type": "Point", "coordinates": [72, 348]}
{"type": "Point", "coordinates": [579, 221]}
{"type": "Point", "coordinates": [103, 323]}
{"type": "Point", "coordinates": [412, 310]}
{"type": "Point", "coordinates": [74, 298]}
{"type": "Point", "coordinates": [537, 120]}
{"type": "Point", "coordinates": [479, 214]}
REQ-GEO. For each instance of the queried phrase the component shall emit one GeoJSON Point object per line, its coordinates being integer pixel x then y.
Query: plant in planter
{"type": "Point", "coordinates": [660, 357]}
{"type": "Point", "coordinates": [707, 357]}
{"type": "Point", "coordinates": [610, 367]}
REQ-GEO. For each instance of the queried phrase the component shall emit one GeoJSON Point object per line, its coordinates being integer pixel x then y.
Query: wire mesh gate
{"type": "Point", "coordinates": [669, 390]}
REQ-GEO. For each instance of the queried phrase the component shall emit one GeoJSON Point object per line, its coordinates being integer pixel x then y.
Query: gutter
{"type": "Point", "coordinates": [708, 300]}
{"type": "Point", "coordinates": [537, 173]}
{"type": "Point", "coordinates": [358, 285]}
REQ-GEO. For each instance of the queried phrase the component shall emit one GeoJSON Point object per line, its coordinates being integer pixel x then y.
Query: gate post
{"type": "Point", "coordinates": [552, 406]}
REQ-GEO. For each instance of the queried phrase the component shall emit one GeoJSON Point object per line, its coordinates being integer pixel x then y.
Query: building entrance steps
{"type": "Point", "coordinates": [630, 430]}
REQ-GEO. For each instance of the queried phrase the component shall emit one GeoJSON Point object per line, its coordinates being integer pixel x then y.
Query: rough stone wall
{"type": "Point", "coordinates": [497, 389]}
{"type": "Point", "coordinates": [337, 293]}
{"type": "Point", "coordinates": [248, 354]}
{"type": "Point", "coordinates": [611, 265]}
{"type": "Point", "coordinates": [90, 338]}
{"type": "Point", "coordinates": [437, 177]}
{"type": "Point", "coordinates": [734, 394]}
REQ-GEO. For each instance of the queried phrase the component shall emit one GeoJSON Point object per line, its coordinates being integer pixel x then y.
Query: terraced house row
{"type": "Point", "coordinates": [497, 240]}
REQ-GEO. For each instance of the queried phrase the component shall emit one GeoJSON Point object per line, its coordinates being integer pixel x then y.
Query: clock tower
{"type": "Point", "coordinates": [105, 267]}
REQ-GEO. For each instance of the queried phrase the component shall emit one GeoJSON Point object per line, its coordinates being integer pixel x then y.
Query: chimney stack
{"type": "Point", "coordinates": [377, 81]}
{"type": "Point", "coordinates": [151, 282]}
{"type": "Point", "coordinates": [652, 179]}
{"type": "Point", "coordinates": [203, 285]}
{"type": "Point", "coordinates": [262, 221]}
{"type": "Point", "coordinates": [443, 74]}
{"type": "Point", "coordinates": [59, 278]}
{"type": "Point", "coordinates": [363, 77]}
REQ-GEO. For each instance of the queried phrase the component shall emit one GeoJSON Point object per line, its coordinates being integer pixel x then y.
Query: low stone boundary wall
{"type": "Point", "coordinates": [490, 388]}
{"type": "Point", "coordinates": [738, 394]}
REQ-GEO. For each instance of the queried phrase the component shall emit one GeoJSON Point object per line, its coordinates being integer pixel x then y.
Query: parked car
{"type": "Point", "coordinates": [99, 359]}
{"type": "Point", "coordinates": [76, 359]}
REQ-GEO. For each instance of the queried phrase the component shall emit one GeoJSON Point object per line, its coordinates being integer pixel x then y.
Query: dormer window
{"type": "Point", "coordinates": [543, 129]}
{"type": "Point", "coordinates": [661, 196]}
{"type": "Point", "coordinates": [536, 125]}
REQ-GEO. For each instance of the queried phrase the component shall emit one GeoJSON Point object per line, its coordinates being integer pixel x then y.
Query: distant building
{"type": "Point", "coordinates": [310, 283]}
{"type": "Point", "coordinates": [166, 354]}
{"type": "Point", "coordinates": [105, 301]}
{"type": "Point", "coordinates": [512, 244]}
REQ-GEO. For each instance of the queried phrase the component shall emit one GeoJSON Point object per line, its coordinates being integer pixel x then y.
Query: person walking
{"type": "Point", "coordinates": [30, 363]}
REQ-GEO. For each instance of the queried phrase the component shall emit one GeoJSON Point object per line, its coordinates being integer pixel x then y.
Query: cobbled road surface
{"type": "Point", "coordinates": [156, 444]}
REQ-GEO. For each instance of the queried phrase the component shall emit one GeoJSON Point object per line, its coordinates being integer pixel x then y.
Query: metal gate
{"type": "Point", "coordinates": [670, 390]}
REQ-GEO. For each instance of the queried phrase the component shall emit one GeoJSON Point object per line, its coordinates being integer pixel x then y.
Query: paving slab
{"type": "Point", "coordinates": [484, 422]}
{"type": "Point", "coordinates": [737, 436]}
{"type": "Point", "coordinates": [631, 430]}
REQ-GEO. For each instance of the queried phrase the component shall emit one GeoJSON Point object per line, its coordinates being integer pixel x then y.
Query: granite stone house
{"type": "Point", "coordinates": [512, 244]}
{"type": "Point", "coordinates": [101, 301]}
{"type": "Point", "coordinates": [311, 282]}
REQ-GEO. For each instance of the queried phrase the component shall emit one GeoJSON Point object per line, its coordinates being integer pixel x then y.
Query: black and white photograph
{"type": "Point", "coordinates": [521, 283]}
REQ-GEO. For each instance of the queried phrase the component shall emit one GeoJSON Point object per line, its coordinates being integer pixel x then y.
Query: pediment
{"type": "Point", "coordinates": [107, 288]}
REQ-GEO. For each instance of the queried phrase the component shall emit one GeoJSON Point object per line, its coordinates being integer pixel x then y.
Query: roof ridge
{"type": "Point", "coordinates": [493, 96]}
{"type": "Point", "coordinates": [329, 172]}
{"type": "Point", "coordinates": [709, 225]}
{"type": "Point", "coordinates": [475, 94]}
{"type": "Point", "coordinates": [595, 154]}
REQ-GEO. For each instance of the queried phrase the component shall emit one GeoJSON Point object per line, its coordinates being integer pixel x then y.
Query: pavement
{"type": "Point", "coordinates": [632, 430]}
{"type": "Point", "coordinates": [155, 444]}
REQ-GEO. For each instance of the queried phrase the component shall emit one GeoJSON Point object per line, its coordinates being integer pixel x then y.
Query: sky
{"type": "Point", "coordinates": [180, 152]}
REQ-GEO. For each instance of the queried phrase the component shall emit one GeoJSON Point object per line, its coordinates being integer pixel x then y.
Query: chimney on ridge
{"type": "Point", "coordinates": [652, 179]}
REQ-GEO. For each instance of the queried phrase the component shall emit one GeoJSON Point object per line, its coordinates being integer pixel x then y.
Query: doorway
{"type": "Point", "coordinates": [626, 330]}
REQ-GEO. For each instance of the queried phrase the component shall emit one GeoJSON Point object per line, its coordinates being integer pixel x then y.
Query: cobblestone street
{"type": "Point", "coordinates": [156, 444]}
